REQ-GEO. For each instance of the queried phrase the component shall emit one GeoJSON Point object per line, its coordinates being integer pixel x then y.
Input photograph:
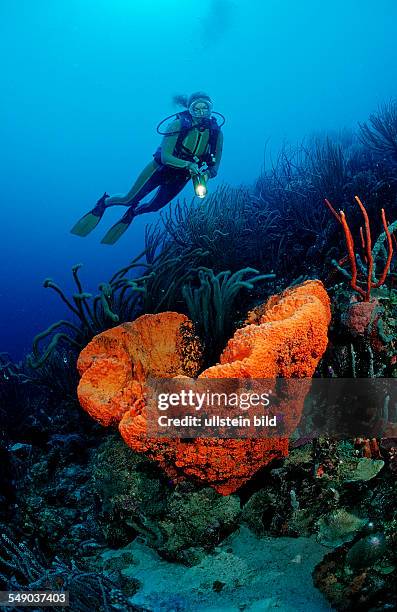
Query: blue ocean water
{"type": "Point", "coordinates": [84, 84]}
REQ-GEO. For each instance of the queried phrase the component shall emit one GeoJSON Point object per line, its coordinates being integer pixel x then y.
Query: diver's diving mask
{"type": "Point", "coordinates": [201, 108]}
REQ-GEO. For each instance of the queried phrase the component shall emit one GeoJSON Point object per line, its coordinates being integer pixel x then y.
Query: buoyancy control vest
{"type": "Point", "coordinates": [181, 151]}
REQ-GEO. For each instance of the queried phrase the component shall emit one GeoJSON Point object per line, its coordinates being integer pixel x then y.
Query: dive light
{"type": "Point", "coordinates": [200, 185]}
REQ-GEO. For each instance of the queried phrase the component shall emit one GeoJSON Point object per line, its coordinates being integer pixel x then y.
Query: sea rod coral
{"type": "Point", "coordinates": [366, 242]}
{"type": "Point", "coordinates": [285, 337]}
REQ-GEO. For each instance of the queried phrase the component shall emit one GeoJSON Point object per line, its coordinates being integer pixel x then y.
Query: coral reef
{"type": "Point", "coordinates": [296, 498]}
{"type": "Point", "coordinates": [71, 489]}
{"type": "Point", "coordinates": [362, 577]}
{"type": "Point", "coordinates": [87, 590]}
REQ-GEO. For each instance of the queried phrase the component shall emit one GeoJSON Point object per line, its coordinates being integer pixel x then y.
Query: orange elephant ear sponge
{"type": "Point", "coordinates": [115, 364]}
{"type": "Point", "coordinates": [285, 337]}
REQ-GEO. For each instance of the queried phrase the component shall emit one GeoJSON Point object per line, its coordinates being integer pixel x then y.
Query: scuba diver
{"type": "Point", "coordinates": [191, 149]}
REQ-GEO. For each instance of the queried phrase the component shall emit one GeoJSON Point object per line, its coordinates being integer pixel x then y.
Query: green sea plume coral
{"type": "Point", "coordinates": [234, 228]}
{"type": "Point", "coordinates": [150, 283]}
{"type": "Point", "coordinates": [380, 133]}
{"type": "Point", "coordinates": [90, 312]}
{"type": "Point", "coordinates": [211, 304]}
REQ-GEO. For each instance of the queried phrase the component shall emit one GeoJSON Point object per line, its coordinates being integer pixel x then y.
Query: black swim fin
{"type": "Point", "coordinates": [90, 220]}
{"type": "Point", "coordinates": [118, 229]}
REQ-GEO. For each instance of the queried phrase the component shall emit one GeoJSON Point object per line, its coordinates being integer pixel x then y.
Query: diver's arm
{"type": "Point", "coordinates": [213, 170]}
{"type": "Point", "coordinates": [168, 146]}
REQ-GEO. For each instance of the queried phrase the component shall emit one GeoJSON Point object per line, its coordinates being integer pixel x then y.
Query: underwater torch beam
{"type": "Point", "coordinates": [200, 185]}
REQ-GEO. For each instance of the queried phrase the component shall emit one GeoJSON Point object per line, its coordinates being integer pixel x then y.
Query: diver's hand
{"type": "Point", "coordinates": [193, 168]}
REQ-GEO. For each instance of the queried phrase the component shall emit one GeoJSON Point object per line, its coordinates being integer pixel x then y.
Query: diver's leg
{"type": "Point", "coordinates": [149, 179]}
{"type": "Point", "coordinates": [168, 190]}
{"type": "Point", "coordinates": [164, 195]}
{"type": "Point", "coordinates": [117, 230]}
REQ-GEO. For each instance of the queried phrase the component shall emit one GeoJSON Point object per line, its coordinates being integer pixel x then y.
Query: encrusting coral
{"type": "Point", "coordinates": [285, 338]}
